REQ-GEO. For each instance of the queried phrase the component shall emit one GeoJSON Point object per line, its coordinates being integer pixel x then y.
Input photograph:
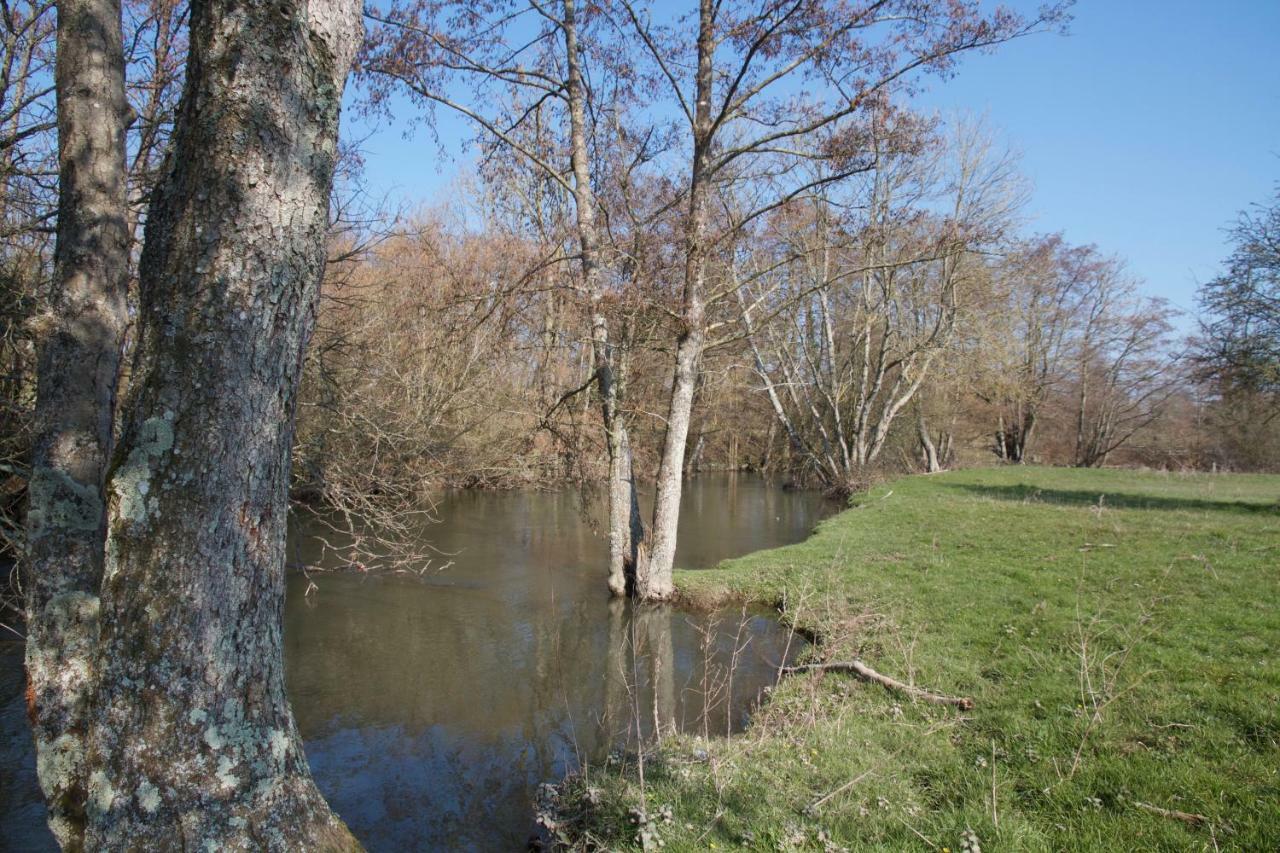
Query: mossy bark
{"type": "Point", "coordinates": [193, 744]}
{"type": "Point", "coordinates": [79, 344]}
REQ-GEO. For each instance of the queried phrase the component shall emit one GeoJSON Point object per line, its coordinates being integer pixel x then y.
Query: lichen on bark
{"type": "Point", "coordinates": [178, 731]}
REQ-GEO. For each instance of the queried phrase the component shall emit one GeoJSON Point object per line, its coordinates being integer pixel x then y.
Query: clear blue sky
{"type": "Point", "coordinates": [1144, 130]}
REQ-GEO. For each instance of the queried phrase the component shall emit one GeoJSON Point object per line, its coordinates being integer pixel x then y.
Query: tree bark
{"type": "Point", "coordinates": [79, 360]}
{"type": "Point", "coordinates": [654, 576]}
{"type": "Point", "coordinates": [193, 744]}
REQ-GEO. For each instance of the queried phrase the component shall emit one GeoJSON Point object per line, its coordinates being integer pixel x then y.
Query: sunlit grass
{"type": "Point", "coordinates": [1117, 631]}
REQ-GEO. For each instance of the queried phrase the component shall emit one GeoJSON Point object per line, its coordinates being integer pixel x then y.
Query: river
{"type": "Point", "coordinates": [433, 705]}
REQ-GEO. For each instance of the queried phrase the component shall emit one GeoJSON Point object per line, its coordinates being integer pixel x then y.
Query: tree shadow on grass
{"type": "Point", "coordinates": [1117, 500]}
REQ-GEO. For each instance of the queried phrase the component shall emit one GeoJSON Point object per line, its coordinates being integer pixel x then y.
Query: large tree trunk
{"type": "Point", "coordinates": [80, 344]}
{"type": "Point", "coordinates": [193, 744]}
{"type": "Point", "coordinates": [654, 575]}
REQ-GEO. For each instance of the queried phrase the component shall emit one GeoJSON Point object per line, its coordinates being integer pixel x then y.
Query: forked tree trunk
{"type": "Point", "coordinates": [193, 744]}
{"type": "Point", "coordinates": [79, 344]}
{"type": "Point", "coordinates": [654, 574]}
{"type": "Point", "coordinates": [928, 451]}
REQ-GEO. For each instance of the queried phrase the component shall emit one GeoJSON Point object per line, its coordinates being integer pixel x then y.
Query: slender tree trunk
{"type": "Point", "coordinates": [193, 744]}
{"type": "Point", "coordinates": [1025, 430]}
{"type": "Point", "coordinates": [1082, 405]}
{"type": "Point", "coordinates": [80, 344]}
{"type": "Point", "coordinates": [1002, 441]}
{"type": "Point", "coordinates": [654, 583]}
{"type": "Point", "coordinates": [623, 538]}
{"type": "Point", "coordinates": [928, 451]}
{"type": "Point", "coordinates": [654, 577]}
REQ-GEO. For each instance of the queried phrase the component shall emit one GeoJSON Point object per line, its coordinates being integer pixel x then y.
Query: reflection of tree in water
{"type": "Point", "coordinates": [431, 710]}
{"type": "Point", "coordinates": [653, 645]}
{"type": "Point", "coordinates": [670, 671]}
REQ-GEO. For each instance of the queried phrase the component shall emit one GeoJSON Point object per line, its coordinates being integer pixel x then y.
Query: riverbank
{"type": "Point", "coordinates": [1116, 630]}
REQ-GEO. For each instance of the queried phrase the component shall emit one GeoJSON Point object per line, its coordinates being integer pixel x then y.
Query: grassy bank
{"type": "Point", "coordinates": [1118, 632]}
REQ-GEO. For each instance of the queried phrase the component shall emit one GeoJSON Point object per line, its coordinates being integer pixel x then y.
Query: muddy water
{"type": "Point", "coordinates": [432, 706]}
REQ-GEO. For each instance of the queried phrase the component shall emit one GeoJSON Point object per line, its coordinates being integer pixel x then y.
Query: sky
{"type": "Point", "coordinates": [1144, 130]}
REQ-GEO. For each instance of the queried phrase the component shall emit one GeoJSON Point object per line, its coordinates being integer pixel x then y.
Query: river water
{"type": "Point", "coordinates": [433, 705]}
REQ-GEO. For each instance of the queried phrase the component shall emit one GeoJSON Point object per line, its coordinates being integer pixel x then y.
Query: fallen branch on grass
{"type": "Point", "coordinates": [866, 673]}
{"type": "Point", "coordinates": [1185, 817]}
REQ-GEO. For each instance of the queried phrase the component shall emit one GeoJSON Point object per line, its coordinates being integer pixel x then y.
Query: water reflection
{"type": "Point", "coordinates": [432, 706]}
{"type": "Point", "coordinates": [429, 721]}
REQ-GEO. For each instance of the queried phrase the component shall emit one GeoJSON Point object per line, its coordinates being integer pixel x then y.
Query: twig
{"type": "Point", "coordinates": [814, 806]}
{"type": "Point", "coordinates": [995, 815]}
{"type": "Point", "coordinates": [1185, 817]}
{"type": "Point", "coordinates": [866, 673]}
{"type": "Point", "coordinates": [883, 497]}
{"type": "Point", "coordinates": [926, 839]}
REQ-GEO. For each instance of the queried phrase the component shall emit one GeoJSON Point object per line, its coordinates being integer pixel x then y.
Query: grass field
{"type": "Point", "coordinates": [1117, 631]}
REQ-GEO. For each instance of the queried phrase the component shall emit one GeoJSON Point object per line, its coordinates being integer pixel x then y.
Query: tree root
{"type": "Point", "coordinates": [866, 673]}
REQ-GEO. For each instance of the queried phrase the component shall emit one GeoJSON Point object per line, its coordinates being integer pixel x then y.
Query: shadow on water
{"type": "Point", "coordinates": [1114, 500]}
{"type": "Point", "coordinates": [431, 707]}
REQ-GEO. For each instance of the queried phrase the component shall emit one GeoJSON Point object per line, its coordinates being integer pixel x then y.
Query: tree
{"type": "Point", "coordinates": [1123, 365]}
{"type": "Point", "coordinates": [28, 157]}
{"type": "Point", "coordinates": [860, 299]}
{"type": "Point", "coordinates": [154, 44]}
{"type": "Point", "coordinates": [190, 740]}
{"type": "Point", "coordinates": [80, 345]}
{"type": "Point", "coordinates": [1239, 343]}
{"type": "Point", "coordinates": [729, 74]}
{"type": "Point", "coordinates": [1026, 327]}
{"type": "Point", "coordinates": [542, 72]}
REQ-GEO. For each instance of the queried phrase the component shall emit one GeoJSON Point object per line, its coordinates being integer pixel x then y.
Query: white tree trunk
{"type": "Point", "coordinates": [654, 574]}
{"type": "Point", "coordinates": [624, 536]}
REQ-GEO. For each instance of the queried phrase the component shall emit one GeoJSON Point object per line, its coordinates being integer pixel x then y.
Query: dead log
{"type": "Point", "coordinates": [866, 673]}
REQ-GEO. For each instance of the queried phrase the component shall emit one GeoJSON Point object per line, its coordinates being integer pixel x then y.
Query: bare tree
{"type": "Point", "coordinates": [727, 73]}
{"type": "Point", "coordinates": [1238, 346]}
{"type": "Point", "coordinates": [1124, 366]}
{"type": "Point", "coordinates": [533, 69]}
{"type": "Point", "coordinates": [1027, 330]}
{"type": "Point", "coordinates": [420, 377]}
{"type": "Point", "coordinates": [28, 171]}
{"type": "Point", "coordinates": [861, 298]}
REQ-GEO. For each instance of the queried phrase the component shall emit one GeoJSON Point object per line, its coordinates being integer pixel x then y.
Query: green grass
{"type": "Point", "coordinates": [1118, 632]}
